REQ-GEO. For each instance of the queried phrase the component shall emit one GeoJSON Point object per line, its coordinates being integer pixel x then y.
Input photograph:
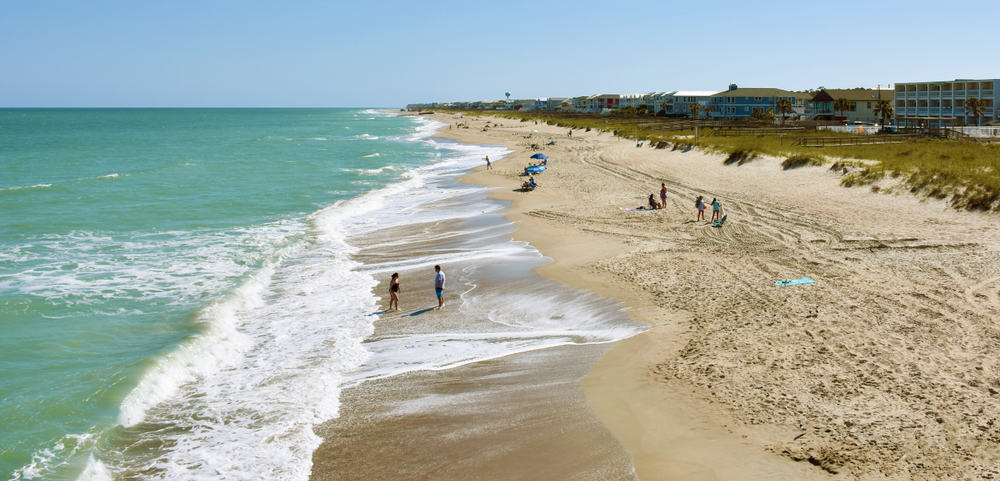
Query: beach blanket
{"type": "Point", "coordinates": [637, 209]}
{"type": "Point", "coordinates": [720, 223]}
{"type": "Point", "coordinates": [794, 282]}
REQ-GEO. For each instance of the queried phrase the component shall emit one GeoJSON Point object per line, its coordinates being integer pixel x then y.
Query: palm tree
{"type": "Point", "coordinates": [883, 108]}
{"type": "Point", "coordinates": [708, 111]}
{"type": "Point", "coordinates": [974, 107]}
{"type": "Point", "coordinates": [841, 105]}
{"type": "Point", "coordinates": [784, 107]}
{"type": "Point", "coordinates": [694, 108]}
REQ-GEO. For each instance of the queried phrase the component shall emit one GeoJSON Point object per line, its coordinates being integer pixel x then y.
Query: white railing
{"type": "Point", "coordinates": [851, 129]}
{"type": "Point", "coordinates": [979, 132]}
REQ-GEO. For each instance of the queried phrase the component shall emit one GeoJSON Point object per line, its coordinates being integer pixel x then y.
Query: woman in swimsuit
{"type": "Point", "coordinates": [394, 292]}
{"type": "Point", "coordinates": [699, 204]}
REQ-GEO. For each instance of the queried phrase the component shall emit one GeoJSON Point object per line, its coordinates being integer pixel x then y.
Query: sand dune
{"type": "Point", "coordinates": [886, 367]}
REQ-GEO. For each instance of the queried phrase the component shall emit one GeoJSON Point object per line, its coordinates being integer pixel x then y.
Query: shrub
{"type": "Point", "coordinates": [740, 157]}
{"type": "Point", "coordinates": [800, 160]}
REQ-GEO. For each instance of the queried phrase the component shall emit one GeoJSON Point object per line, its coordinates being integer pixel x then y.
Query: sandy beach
{"type": "Point", "coordinates": [885, 368]}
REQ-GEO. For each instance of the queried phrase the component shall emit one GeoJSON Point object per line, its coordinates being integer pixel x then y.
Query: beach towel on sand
{"type": "Point", "coordinates": [794, 282]}
{"type": "Point", "coordinates": [638, 209]}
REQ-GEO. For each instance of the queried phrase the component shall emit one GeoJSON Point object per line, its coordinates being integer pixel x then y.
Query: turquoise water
{"type": "Point", "coordinates": [123, 233]}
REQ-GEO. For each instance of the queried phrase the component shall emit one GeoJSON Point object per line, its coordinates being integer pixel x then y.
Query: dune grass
{"type": "Point", "coordinates": [966, 172]}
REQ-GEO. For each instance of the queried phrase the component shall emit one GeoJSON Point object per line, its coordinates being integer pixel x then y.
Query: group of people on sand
{"type": "Point", "coordinates": [699, 204]}
{"type": "Point", "coordinates": [394, 289]}
{"type": "Point", "coordinates": [653, 204]}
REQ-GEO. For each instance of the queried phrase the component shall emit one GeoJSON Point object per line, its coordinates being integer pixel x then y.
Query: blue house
{"type": "Point", "coordinates": [739, 103]}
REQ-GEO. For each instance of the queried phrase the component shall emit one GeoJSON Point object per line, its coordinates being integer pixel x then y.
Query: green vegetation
{"type": "Point", "coordinates": [883, 108]}
{"type": "Point", "coordinates": [974, 107]}
{"type": "Point", "coordinates": [694, 108]}
{"type": "Point", "coordinates": [841, 105]}
{"type": "Point", "coordinates": [800, 160]}
{"type": "Point", "coordinates": [784, 107]}
{"type": "Point", "coordinates": [965, 172]}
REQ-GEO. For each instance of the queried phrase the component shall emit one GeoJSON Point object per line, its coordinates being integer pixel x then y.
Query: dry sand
{"type": "Point", "coordinates": [885, 368]}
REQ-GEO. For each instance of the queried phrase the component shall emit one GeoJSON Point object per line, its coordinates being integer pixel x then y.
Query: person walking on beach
{"type": "Point", "coordinates": [394, 292]}
{"type": "Point", "coordinates": [699, 204]}
{"type": "Point", "coordinates": [716, 208]}
{"type": "Point", "coordinates": [439, 286]}
{"type": "Point", "coordinates": [489, 166]}
{"type": "Point", "coordinates": [663, 195]}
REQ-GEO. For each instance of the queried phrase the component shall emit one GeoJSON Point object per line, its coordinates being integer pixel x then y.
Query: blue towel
{"type": "Point", "coordinates": [794, 282]}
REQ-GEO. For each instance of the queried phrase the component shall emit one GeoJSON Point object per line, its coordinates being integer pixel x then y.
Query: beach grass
{"type": "Point", "coordinates": [965, 172]}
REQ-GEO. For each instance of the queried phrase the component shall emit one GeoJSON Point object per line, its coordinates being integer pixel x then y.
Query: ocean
{"type": "Point", "coordinates": [184, 293]}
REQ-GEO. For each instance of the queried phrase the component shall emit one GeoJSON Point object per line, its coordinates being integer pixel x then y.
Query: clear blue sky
{"type": "Point", "coordinates": [385, 54]}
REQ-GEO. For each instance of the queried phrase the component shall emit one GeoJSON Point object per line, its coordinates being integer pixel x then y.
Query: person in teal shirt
{"type": "Point", "coordinates": [716, 210]}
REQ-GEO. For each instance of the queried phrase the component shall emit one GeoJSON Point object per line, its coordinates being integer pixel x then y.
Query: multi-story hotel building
{"type": "Point", "coordinates": [942, 104]}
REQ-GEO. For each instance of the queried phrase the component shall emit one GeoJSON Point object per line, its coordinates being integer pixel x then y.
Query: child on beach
{"type": "Point", "coordinates": [699, 204]}
{"type": "Point", "coordinates": [653, 205]}
{"type": "Point", "coordinates": [489, 166]}
{"type": "Point", "coordinates": [663, 194]}
{"type": "Point", "coordinates": [394, 292]}
{"type": "Point", "coordinates": [716, 208]}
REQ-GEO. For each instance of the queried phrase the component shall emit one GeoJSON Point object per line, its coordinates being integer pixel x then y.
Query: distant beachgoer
{"type": "Point", "coordinates": [439, 286]}
{"type": "Point", "coordinates": [394, 292]}
{"type": "Point", "coordinates": [699, 204]}
{"type": "Point", "coordinates": [663, 194]}
{"type": "Point", "coordinates": [570, 134]}
{"type": "Point", "coordinates": [653, 204]}
{"type": "Point", "coordinates": [716, 207]}
{"type": "Point", "coordinates": [531, 182]}
{"type": "Point", "coordinates": [488, 164]}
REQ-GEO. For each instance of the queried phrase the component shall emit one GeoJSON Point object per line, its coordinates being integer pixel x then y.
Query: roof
{"type": "Point", "coordinates": [857, 95]}
{"type": "Point", "coordinates": [762, 92]}
{"type": "Point", "coordinates": [695, 93]}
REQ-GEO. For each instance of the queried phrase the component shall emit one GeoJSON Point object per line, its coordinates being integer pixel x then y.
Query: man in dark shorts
{"type": "Point", "coordinates": [439, 286]}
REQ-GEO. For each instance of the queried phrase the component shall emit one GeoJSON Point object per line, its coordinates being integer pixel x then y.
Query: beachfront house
{"type": "Point", "coordinates": [603, 103]}
{"type": "Point", "coordinates": [576, 104]}
{"type": "Point", "coordinates": [657, 102]}
{"type": "Point", "coordinates": [942, 103]}
{"type": "Point", "coordinates": [547, 104]}
{"type": "Point", "coordinates": [634, 100]}
{"type": "Point", "coordinates": [680, 101]}
{"type": "Point", "coordinates": [861, 104]}
{"type": "Point", "coordinates": [740, 103]}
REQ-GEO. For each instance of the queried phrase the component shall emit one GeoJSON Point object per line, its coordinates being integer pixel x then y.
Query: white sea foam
{"type": "Point", "coordinates": [366, 136]}
{"type": "Point", "coordinates": [36, 186]}
{"type": "Point", "coordinates": [241, 398]}
{"type": "Point", "coordinates": [376, 154]}
{"type": "Point", "coordinates": [379, 170]}
{"type": "Point", "coordinates": [108, 176]}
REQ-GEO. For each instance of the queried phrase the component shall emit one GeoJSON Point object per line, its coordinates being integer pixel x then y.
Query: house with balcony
{"type": "Point", "coordinates": [861, 104]}
{"type": "Point", "coordinates": [679, 102]}
{"type": "Point", "coordinates": [633, 100]}
{"type": "Point", "coordinates": [548, 104]}
{"type": "Point", "coordinates": [739, 103]}
{"type": "Point", "coordinates": [942, 103]}
{"type": "Point", "coordinates": [657, 101]}
{"type": "Point", "coordinates": [603, 102]}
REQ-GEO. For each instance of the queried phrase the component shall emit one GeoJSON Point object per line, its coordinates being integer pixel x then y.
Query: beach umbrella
{"type": "Point", "coordinates": [540, 156]}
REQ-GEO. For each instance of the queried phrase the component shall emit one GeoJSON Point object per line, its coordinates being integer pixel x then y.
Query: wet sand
{"type": "Point", "coordinates": [518, 416]}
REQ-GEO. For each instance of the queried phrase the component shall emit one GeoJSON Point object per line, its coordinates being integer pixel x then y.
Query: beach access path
{"type": "Point", "coordinates": [885, 368]}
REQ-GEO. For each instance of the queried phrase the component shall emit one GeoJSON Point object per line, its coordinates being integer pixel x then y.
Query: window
{"type": "Point", "coordinates": [756, 99]}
